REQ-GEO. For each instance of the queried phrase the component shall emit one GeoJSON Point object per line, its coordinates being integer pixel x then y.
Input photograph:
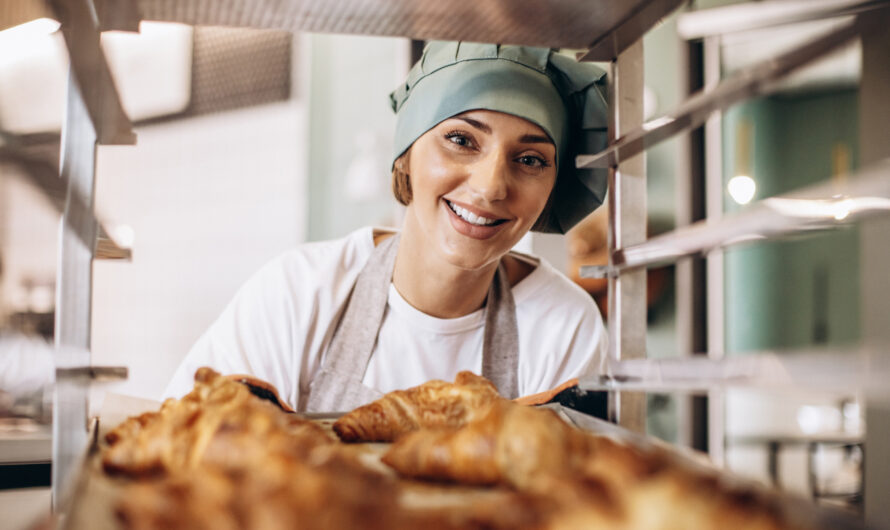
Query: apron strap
{"type": "Point", "coordinates": [500, 342]}
{"type": "Point", "coordinates": [338, 385]}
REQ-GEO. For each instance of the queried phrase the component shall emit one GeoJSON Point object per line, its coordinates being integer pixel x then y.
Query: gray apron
{"type": "Point", "coordinates": [338, 385]}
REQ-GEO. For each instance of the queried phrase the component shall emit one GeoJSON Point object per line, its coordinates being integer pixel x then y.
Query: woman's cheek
{"type": "Point", "coordinates": [442, 168]}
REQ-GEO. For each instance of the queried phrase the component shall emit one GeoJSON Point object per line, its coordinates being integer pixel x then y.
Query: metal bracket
{"type": "Point", "coordinates": [598, 271]}
{"type": "Point", "coordinates": [45, 177]}
{"type": "Point", "coordinates": [607, 47]}
{"type": "Point", "coordinates": [91, 374]}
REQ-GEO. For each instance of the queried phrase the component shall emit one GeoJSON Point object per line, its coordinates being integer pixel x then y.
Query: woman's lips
{"type": "Point", "coordinates": [469, 229]}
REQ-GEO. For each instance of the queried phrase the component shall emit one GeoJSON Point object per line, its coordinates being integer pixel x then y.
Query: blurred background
{"type": "Point", "coordinates": [251, 142]}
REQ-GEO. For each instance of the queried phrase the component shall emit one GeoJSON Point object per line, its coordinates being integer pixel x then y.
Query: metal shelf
{"type": "Point", "coordinates": [45, 177]}
{"type": "Point", "coordinates": [607, 28]}
{"type": "Point", "coordinates": [856, 197]}
{"type": "Point", "coordinates": [864, 370]}
{"type": "Point", "coordinates": [747, 83]}
{"type": "Point", "coordinates": [758, 15]}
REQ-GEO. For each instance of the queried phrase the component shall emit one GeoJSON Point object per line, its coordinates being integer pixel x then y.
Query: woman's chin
{"type": "Point", "coordinates": [469, 254]}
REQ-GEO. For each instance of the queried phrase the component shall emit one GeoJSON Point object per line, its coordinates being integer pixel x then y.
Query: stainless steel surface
{"type": "Point", "coordinates": [81, 32]}
{"type": "Point", "coordinates": [755, 15]}
{"type": "Point", "coordinates": [73, 291]}
{"type": "Point", "coordinates": [611, 26]}
{"type": "Point", "coordinates": [862, 195]}
{"type": "Point", "coordinates": [26, 447]}
{"type": "Point", "coordinates": [45, 177]}
{"type": "Point", "coordinates": [627, 225]}
{"type": "Point", "coordinates": [755, 80]}
{"type": "Point", "coordinates": [874, 249]}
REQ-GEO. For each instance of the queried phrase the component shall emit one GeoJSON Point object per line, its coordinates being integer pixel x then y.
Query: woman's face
{"type": "Point", "coordinates": [479, 181]}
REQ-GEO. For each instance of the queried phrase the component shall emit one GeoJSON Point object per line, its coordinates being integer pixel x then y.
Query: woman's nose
{"type": "Point", "coordinates": [488, 177]}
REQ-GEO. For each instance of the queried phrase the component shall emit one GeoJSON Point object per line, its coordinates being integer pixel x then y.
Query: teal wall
{"type": "Point", "coordinates": [804, 291]}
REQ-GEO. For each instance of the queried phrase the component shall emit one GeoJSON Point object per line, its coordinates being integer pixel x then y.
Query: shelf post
{"type": "Point", "coordinates": [627, 226]}
{"type": "Point", "coordinates": [73, 291]}
{"type": "Point", "coordinates": [714, 269]}
{"type": "Point", "coordinates": [874, 114]}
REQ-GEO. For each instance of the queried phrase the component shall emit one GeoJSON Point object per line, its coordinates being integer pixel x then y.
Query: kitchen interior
{"type": "Point", "coordinates": [761, 351]}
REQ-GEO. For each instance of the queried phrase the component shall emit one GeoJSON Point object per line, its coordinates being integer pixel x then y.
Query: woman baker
{"type": "Point", "coordinates": [485, 142]}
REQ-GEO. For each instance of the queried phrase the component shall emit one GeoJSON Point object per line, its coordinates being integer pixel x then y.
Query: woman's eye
{"type": "Point", "coordinates": [459, 139]}
{"type": "Point", "coordinates": [533, 161]}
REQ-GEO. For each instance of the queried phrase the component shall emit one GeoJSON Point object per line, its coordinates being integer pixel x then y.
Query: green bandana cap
{"type": "Point", "coordinates": [560, 95]}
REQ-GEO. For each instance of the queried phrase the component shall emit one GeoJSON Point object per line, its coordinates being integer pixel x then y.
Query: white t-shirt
{"type": "Point", "coordinates": [280, 323]}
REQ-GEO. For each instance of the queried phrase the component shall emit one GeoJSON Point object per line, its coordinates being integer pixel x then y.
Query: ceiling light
{"type": "Point", "coordinates": [741, 188]}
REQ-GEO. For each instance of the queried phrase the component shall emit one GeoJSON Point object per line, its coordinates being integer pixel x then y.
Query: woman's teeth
{"type": "Point", "coordinates": [469, 216]}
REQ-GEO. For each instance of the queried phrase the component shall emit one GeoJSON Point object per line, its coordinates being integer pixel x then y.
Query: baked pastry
{"type": "Point", "coordinates": [222, 458]}
{"type": "Point", "coordinates": [510, 444]}
{"type": "Point", "coordinates": [432, 405]}
{"type": "Point", "coordinates": [219, 422]}
{"type": "Point", "coordinates": [590, 481]}
{"type": "Point", "coordinates": [328, 489]}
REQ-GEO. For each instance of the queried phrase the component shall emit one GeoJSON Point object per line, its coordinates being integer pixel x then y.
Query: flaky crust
{"type": "Point", "coordinates": [510, 444]}
{"type": "Point", "coordinates": [221, 458]}
{"type": "Point", "coordinates": [213, 424]}
{"type": "Point", "coordinates": [591, 481]}
{"type": "Point", "coordinates": [432, 405]}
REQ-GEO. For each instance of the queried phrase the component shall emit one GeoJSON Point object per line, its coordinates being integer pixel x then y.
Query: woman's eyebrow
{"type": "Point", "coordinates": [525, 139]}
{"type": "Point", "coordinates": [477, 124]}
{"type": "Point", "coordinates": [535, 139]}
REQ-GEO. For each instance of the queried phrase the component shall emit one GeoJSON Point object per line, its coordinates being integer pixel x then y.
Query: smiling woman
{"type": "Point", "coordinates": [485, 141]}
{"type": "Point", "coordinates": [478, 184]}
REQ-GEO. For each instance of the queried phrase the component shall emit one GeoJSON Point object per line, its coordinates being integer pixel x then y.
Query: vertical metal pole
{"type": "Point", "coordinates": [73, 291]}
{"type": "Point", "coordinates": [714, 266]}
{"type": "Point", "coordinates": [627, 226]}
{"type": "Point", "coordinates": [874, 249]}
{"type": "Point", "coordinates": [691, 316]}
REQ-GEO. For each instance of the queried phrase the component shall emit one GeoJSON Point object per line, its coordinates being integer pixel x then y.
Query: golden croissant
{"type": "Point", "coordinates": [510, 444]}
{"type": "Point", "coordinates": [215, 422]}
{"type": "Point", "coordinates": [435, 404]}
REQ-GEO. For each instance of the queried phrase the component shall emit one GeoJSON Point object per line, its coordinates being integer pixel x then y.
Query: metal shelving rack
{"type": "Point", "coordinates": [610, 31]}
{"type": "Point", "coordinates": [865, 196]}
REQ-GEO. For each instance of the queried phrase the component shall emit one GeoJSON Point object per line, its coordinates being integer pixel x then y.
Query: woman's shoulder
{"type": "Point", "coordinates": [329, 258]}
{"type": "Point", "coordinates": [547, 288]}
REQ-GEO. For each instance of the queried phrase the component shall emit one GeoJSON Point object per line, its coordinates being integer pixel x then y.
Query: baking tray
{"type": "Point", "coordinates": [91, 496]}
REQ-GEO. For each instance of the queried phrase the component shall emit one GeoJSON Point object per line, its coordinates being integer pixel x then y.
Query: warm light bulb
{"type": "Point", "coordinates": [741, 188]}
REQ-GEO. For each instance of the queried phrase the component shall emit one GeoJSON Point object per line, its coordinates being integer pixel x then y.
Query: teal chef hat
{"type": "Point", "coordinates": [554, 91]}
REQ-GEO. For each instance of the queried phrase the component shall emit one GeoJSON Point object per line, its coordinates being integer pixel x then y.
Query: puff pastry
{"type": "Point", "coordinates": [591, 481]}
{"type": "Point", "coordinates": [219, 422]}
{"type": "Point", "coordinates": [221, 458]}
{"type": "Point", "coordinates": [435, 404]}
{"type": "Point", "coordinates": [510, 444]}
